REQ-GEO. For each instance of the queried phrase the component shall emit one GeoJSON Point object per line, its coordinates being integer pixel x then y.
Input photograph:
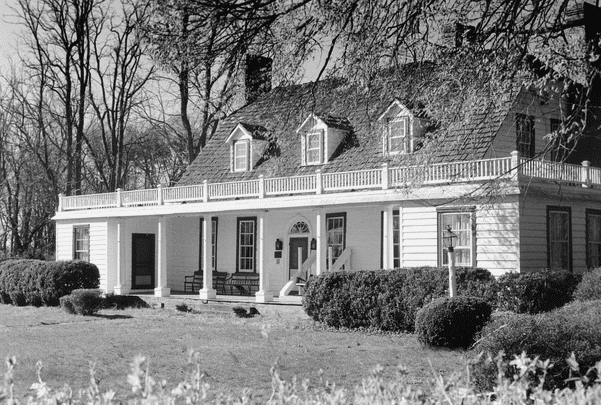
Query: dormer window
{"type": "Point", "coordinates": [241, 156]}
{"type": "Point", "coordinates": [314, 147]}
{"type": "Point", "coordinates": [397, 134]}
{"type": "Point", "coordinates": [248, 144]}
{"type": "Point", "coordinates": [401, 129]}
{"type": "Point", "coordinates": [320, 136]}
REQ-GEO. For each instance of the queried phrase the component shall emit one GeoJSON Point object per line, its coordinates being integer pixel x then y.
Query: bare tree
{"type": "Point", "coordinates": [121, 72]}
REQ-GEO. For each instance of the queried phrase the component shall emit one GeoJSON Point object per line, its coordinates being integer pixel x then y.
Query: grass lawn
{"type": "Point", "coordinates": [235, 353]}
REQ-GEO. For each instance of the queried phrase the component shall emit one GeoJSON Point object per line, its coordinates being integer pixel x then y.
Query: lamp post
{"type": "Point", "coordinates": [447, 241]}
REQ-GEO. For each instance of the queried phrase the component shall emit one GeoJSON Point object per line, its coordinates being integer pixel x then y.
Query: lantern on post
{"type": "Point", "coordinates": [448, 241]}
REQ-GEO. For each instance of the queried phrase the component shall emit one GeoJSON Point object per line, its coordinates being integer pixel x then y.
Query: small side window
{"type": "Point", "coordinates": [241, 156]}
{"type": "Point", "coordinates": [81, 243]}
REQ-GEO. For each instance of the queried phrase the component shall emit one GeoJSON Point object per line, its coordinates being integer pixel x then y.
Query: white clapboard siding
{"type": "Point", "coordinates": [419, 236]}
{"type": "Point", "coordinates": [98, 250]}
{"type": "Point", "coordinates": [183, 251]}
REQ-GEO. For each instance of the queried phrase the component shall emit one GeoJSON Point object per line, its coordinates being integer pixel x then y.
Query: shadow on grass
{"type": "Point", "coordinates": [112, 317]}
{"type": "Point", "coordinates": [112, 301]}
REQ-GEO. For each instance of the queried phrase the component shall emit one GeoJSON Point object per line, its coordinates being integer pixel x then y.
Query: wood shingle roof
{"type": "Point", "coordinates": [354, 109]}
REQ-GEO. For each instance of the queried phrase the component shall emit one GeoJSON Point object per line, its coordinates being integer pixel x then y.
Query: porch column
{"type": "Point", "coordinates": [162, 290]}
{"type": "Point", "coordinates": [385, 239]}
{"type": "Point", "coordinates": [390, 247]}
{"type": "Point", "coordinates": [120, 288]}
{"type": "Point", "coordinates": [263, 295]}
{"type": "Point", "coordinates": [207, 292]}
{"type": "Point", "coordinates": [319, 256]}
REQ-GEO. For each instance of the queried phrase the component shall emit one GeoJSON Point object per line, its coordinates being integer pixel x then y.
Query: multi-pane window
{"type": "Point", "coordinates": [397, 135]}
{"type": "Point", "coordinates": [313, 147]}
{"type": "Point", "coordinates": [396, 240]}
{"type": "Point", "coordinates": [214, 226]}
{"type": "Point", "coordinates": [336, 229]}
{"type": "Point", "coordinates": [246, 244]}
{"type": "Point", "coordinates": [240, 156]}
{"type": "Point", "coordinates": [461, 225]}
{"type": "Point", "coordinates": [524, 125]}
{"type": "Point", "coordinates": [81, 243]}
{"type": "Point", "coordinates": [559, 237]}
{"type": "Point", "coordinates": [593, 238]}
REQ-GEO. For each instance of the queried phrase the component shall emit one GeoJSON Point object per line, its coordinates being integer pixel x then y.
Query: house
{"type": "Point", "coordinates": [327, 177]}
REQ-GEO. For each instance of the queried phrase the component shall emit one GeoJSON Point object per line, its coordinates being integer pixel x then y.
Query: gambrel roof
{"type": "Point", "coordinates": [356, 110]}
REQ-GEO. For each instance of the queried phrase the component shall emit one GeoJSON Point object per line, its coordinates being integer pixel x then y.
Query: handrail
{"type": "Point", "coordinates": [306, 267]}
{"type": "Point", "coordinates": [384, 178]}
{"type": "Point", "coordinates": [343, 260]}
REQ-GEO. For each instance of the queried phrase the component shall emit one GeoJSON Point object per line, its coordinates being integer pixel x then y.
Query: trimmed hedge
{"type": "Point", "coordinates": [383, 299]}
{"type": "Point", "coordinates": [82, 301]}
{"type": "Point", "coordinates": [452, 322]}
{"type": "Point", "coordinates": [590, 286]}
{"type": "Point", "coordinates": [535, 292]}
{"type": "Point", "coordinates": [554, 336]}
{"type": "Point", "coordinates": [38, 282]}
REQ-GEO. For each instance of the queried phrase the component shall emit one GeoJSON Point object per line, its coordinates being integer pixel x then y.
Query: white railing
{"type": "Point", "coordinates": [140, 197]}
{"type": "Point", "coordinates": [185, 193]}
{"type": "Point", "coordinates": [343, 260]}
{"type": "Point", "coordinates": [290, 185]}
{"type": "Point", "coordinates": [234, 189]}
{"type": "Point", "coordinates": [80, 202]}
{"type": "Point", "coordinates": [443, 173]}
{"type": "Point", "coordinates": [384, 178]}
{"type": "Point", "coordinates": [560, 172]}
{"type": "Point", "coordinates": [360, 179]}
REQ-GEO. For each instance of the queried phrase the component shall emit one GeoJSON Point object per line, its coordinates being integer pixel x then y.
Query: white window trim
{"type": "Point", "coordinates": [320, 154]}
{"type": "Point", "coordinates": [472, 238]}
{"type": "Point", "coordinates": [406, 145]}
{"type": "Point", "coordinates": [235, 166]}
{"type": "Point", "coordinates": [253, 246]}
{"type": "Point", "coordinates": [85, 251]}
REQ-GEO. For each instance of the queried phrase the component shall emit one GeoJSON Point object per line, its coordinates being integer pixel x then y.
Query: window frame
{"type": "Point", "coordinates": [86, 242]}
{"type": "Point", "coordinates": [320, 140]}
{"type": "Point", "coordinates": [328, 218]}
{"type": "Point", "coordinates": [592, 213]}
{"type": "Point", "coordinates": [214, 238]}
{"type": "Point", "coordinates": [396, 239]}
{"type": "Point", "coordinates": [405, 138]}
{"type": "Point", "coordinates": [235, 157]}
{"type": "Point", "coordinates": [239, 246]}
{"type": "Point", "coordinates": [526, 149]}
{"type": "Point", "coordinates": [565, 211]}
{"type": "Point", "coordinates": [442, 253]}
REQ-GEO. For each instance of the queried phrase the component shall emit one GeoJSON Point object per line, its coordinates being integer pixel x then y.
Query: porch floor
{"type": "Point", "coordinates": [233, 299]}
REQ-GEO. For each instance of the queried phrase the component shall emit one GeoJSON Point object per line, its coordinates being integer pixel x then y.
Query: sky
{"type": "Point", "coordinates": [8, 33]}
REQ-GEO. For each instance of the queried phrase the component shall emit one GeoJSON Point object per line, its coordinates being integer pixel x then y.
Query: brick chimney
{"type": "Point", "coordinates": [254, 80]}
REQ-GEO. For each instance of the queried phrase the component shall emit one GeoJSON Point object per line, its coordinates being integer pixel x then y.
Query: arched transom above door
{"type": "Point", "coordinates": [299, 227]}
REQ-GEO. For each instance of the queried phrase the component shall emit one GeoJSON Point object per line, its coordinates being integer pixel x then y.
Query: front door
{"type": "Point", "coordinates": [295, 243]}
{"type": "Point", "coordinates": [142, 257]}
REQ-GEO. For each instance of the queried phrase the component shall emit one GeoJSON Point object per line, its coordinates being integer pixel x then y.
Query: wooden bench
{"type": "Point", "coordinates": [195, 281]}
{"type": "Point", "coordinates": [243, 283]}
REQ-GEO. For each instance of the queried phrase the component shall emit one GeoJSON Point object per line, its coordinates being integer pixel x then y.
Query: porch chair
{"type": "Point", "coordinates": [193, 281]}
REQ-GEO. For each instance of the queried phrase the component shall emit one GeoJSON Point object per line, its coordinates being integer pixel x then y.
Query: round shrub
{"type": "Point", "coordinates": [533, 293]}
{"type": "Point", "coordinates": [452, 322]}
{"type": "Point", "coordinates": [82, 301]}
{"type": "Point", "coordinates": [590, 286]}
{"type": "Point", "coordinates": [38, 282]}
{"type": "Point", "coordinates": [554, 336]}
{"type": "Point", "coordinates": [385, 300]}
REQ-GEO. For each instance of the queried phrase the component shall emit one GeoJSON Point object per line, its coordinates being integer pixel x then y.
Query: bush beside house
{"type": "Point", "coordinates": [533, 293]}
{"type": "Point", "coordinates": [590, 287]}
{"type": "Point", "coordinates": [452, 322]}
{"type": "Point", "coordinates": [554, 335]}
{"type": "Point", "coordinates": [386, 300]}
{"type": "Point", "coordinates": [38, 282]}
